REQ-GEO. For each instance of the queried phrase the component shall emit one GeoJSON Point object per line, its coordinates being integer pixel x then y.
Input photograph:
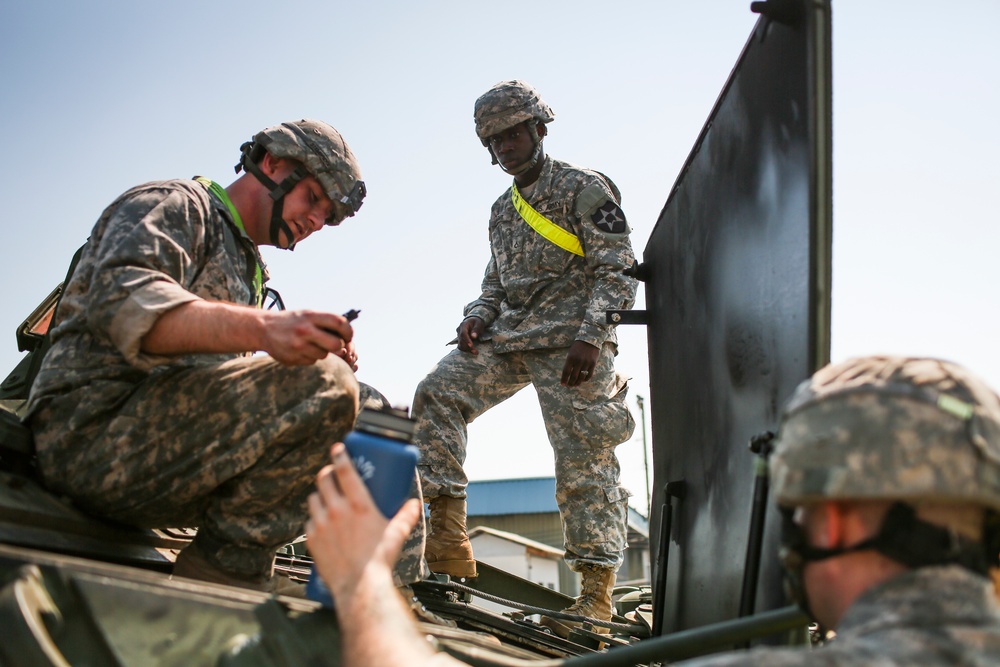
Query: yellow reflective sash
{"type": "Point", "coordinates": [550, 230]}
{"type": "Point", "coordinates": [258, 278]}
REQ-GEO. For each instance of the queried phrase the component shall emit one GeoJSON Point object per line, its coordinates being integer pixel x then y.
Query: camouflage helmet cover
{"type": "Point", "coordinates": [890, 428]}
{"type": "Point", "coordinates": [323, 152]}
{"type": "Point", "coordinates": [505, 105]}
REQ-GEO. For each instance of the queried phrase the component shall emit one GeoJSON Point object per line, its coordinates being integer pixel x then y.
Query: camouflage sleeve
{"type": "Point", "coordinates": [487, 306]}
{"type": "Point", "coordinates": [604, 234]}
{"type": "Point", "coordinates": [148, 249]}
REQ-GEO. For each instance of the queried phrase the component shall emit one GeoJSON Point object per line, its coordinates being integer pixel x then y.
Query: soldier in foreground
{"type": "Point", "coordinates": [887, 471]}
{"type": "Point", "coordinates": [150, 409]}
{"type": "Point", "coordinates": [559, 244]}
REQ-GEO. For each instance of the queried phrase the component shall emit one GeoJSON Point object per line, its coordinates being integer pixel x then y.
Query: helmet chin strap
{"type": "Point", "coordinates": [277, 193]}
{"type": "Point", "coordinates": [535, 155]}
{"type": "Point", "coordinates": [278, 225]}
{"type": "Point", "coordinates": [903, 537]}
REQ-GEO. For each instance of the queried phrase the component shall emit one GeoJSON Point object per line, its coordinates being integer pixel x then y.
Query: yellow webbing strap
{"type": "Point", "coordinates": [550, 230]}
{"type": "Point", "coordinates": [258, 279]}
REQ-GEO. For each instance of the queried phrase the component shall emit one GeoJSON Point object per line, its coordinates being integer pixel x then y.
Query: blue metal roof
{"type": "Point", "coordinates": [532, 495]}
{"type": "Point", "coordinates": [528, 495]}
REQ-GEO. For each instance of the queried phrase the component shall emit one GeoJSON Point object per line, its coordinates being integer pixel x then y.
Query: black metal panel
{"type": "Point", "coordinates": [738, 308]}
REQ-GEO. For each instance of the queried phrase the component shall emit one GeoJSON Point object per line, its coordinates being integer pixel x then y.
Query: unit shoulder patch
{"type": "Point", "coordinates": [609, 218]}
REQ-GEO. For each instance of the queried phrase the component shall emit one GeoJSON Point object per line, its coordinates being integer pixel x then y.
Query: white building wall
{"type": "Point", "coordinates": [516, 559]}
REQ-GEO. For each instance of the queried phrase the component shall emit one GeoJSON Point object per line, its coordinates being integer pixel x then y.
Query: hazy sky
{"type": "Point", "coordinates": [96, 97]}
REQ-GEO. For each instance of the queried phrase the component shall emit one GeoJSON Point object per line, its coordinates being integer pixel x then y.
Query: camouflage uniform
{"type": "Point", "coordinates": [225, 442]}
{"type": "Point", "coordinates": [906, 431]}
{"type": "Point", "coordinates": [536, 300]}
{"type": "Point", "coordinates": [921, 618]}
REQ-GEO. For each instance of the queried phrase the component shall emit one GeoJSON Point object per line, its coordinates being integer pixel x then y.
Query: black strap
{"type": "Point", "coordinates": [277, 192]}
{"type": "Point", "coordinates": [38, 354]}
{"type": "Point", "coordinates": [906, 539]}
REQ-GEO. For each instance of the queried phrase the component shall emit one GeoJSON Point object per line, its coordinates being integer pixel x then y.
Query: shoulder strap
{"type": "Point", "coordinates": [21, 387]}
{"type": "Point", "coordinates": [220, 192]}
{"type": "Point", "coordinates": [548, 229]}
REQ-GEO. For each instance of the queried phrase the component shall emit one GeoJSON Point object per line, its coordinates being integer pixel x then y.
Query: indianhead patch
{"type": "Point", "coordinates": [609, 218]}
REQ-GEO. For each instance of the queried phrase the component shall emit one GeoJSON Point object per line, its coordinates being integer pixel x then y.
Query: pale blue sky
{"type": "Point", "coordinates": [102, 95]}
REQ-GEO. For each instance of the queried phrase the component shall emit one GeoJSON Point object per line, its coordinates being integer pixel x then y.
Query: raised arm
{"type": "Point", "coordinates": [296, 337]}
{"type": "Point", "coordinates": [354, 549]}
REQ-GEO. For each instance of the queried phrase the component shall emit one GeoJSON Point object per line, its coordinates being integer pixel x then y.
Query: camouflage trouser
{"type": "Point", "coordinates": [583, 423]}
{"type": "Point", "coordinates": [232, 449]}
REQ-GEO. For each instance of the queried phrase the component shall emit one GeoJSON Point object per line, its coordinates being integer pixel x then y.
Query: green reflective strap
{"type": "Point", "coordinates": [959, 408]}
{"type": "Point", "coordinates": [219, 191]}
{"type": "Point", "coordinates": [548, 229]}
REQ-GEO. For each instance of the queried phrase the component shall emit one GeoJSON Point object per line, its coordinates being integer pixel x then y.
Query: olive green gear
{"type": "Point", "coordinates": [507, 104]}
{"type": "Point", "coordinates": [909, 429]}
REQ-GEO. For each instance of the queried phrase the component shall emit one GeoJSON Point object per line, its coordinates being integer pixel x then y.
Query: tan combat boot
{"type": "Point", "coordinates": [448, 550]}
{"type": "Point", "coordinates": [594, 601]}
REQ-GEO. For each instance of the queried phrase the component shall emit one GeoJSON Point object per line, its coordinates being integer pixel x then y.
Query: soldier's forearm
{"type": "Point", "coordinates": [205, 327]}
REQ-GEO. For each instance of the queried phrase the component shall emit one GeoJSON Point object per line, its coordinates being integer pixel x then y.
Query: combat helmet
{"type": "Point", "coordinates": [321, 152]}
{"type": "Point", "coordinates": [890, 428]}
{"type": "Point", "coordinates": [903, 430]}
{"type": "Point", "coordinates": [505, 105]}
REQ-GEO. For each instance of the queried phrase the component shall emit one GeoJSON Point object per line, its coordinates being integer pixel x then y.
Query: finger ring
{"type": "Point", "coordinates": [585, 373]}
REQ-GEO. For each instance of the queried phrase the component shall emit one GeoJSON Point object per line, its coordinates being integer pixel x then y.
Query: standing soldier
{"type": "Point", "coordinates": [559, 245]}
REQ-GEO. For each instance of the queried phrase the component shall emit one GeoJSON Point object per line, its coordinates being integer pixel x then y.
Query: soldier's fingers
{"type": "Point", "coordinates": [332, 325]}
{"type": "Point", "coordinates": [317, 511]}
{"type": "Point", "coordinates": [329, 341]}
{"type": "Point", "coordinates": [401, 525]}
{"type": "Point", "coordinates": [407, 516]}
{"type": "Point", "coordinates": [347, 477]}
{"type": "Point", "coordinates": [327, 486]}
{"type": "Point", "coordinates": [325, 471]}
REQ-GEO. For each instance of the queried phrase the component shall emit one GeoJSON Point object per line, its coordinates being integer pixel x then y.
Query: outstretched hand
{"type": "Point", "coordinates": [349, 539]}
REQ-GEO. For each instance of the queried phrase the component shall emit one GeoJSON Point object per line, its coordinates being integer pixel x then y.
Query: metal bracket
{"type": "Point", "coordinates": [638, 271]}
{"type": "Point", "coordinates": [675, 489]}
{"type": "Point", "coordinates": [626, 317]}
{"type": "Point", "coordinates": [787, 12]}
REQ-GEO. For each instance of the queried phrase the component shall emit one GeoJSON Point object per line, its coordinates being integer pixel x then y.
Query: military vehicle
{"type": "Point", "coordinates": [737, 280]}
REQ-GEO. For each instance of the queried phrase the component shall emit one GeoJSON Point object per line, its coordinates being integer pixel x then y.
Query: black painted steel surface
{"type": "Point", "coordinates": [738, 307]}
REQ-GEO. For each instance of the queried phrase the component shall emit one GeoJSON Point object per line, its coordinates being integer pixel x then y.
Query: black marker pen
{"type": "Point", "coordinates": [350, 316]}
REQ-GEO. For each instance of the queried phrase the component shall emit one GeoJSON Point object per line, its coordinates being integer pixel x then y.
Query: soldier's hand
{"type": "Point", "coordinates": [349, 539]}
{"type": "Point", "coordinates": [580, 363]}
{"type": "Point", "coordinates": [348, 354]}
{"type": "Point", "coordinates": [303, 337]}
{"type": "Point", "coordinates": [469, 332]}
